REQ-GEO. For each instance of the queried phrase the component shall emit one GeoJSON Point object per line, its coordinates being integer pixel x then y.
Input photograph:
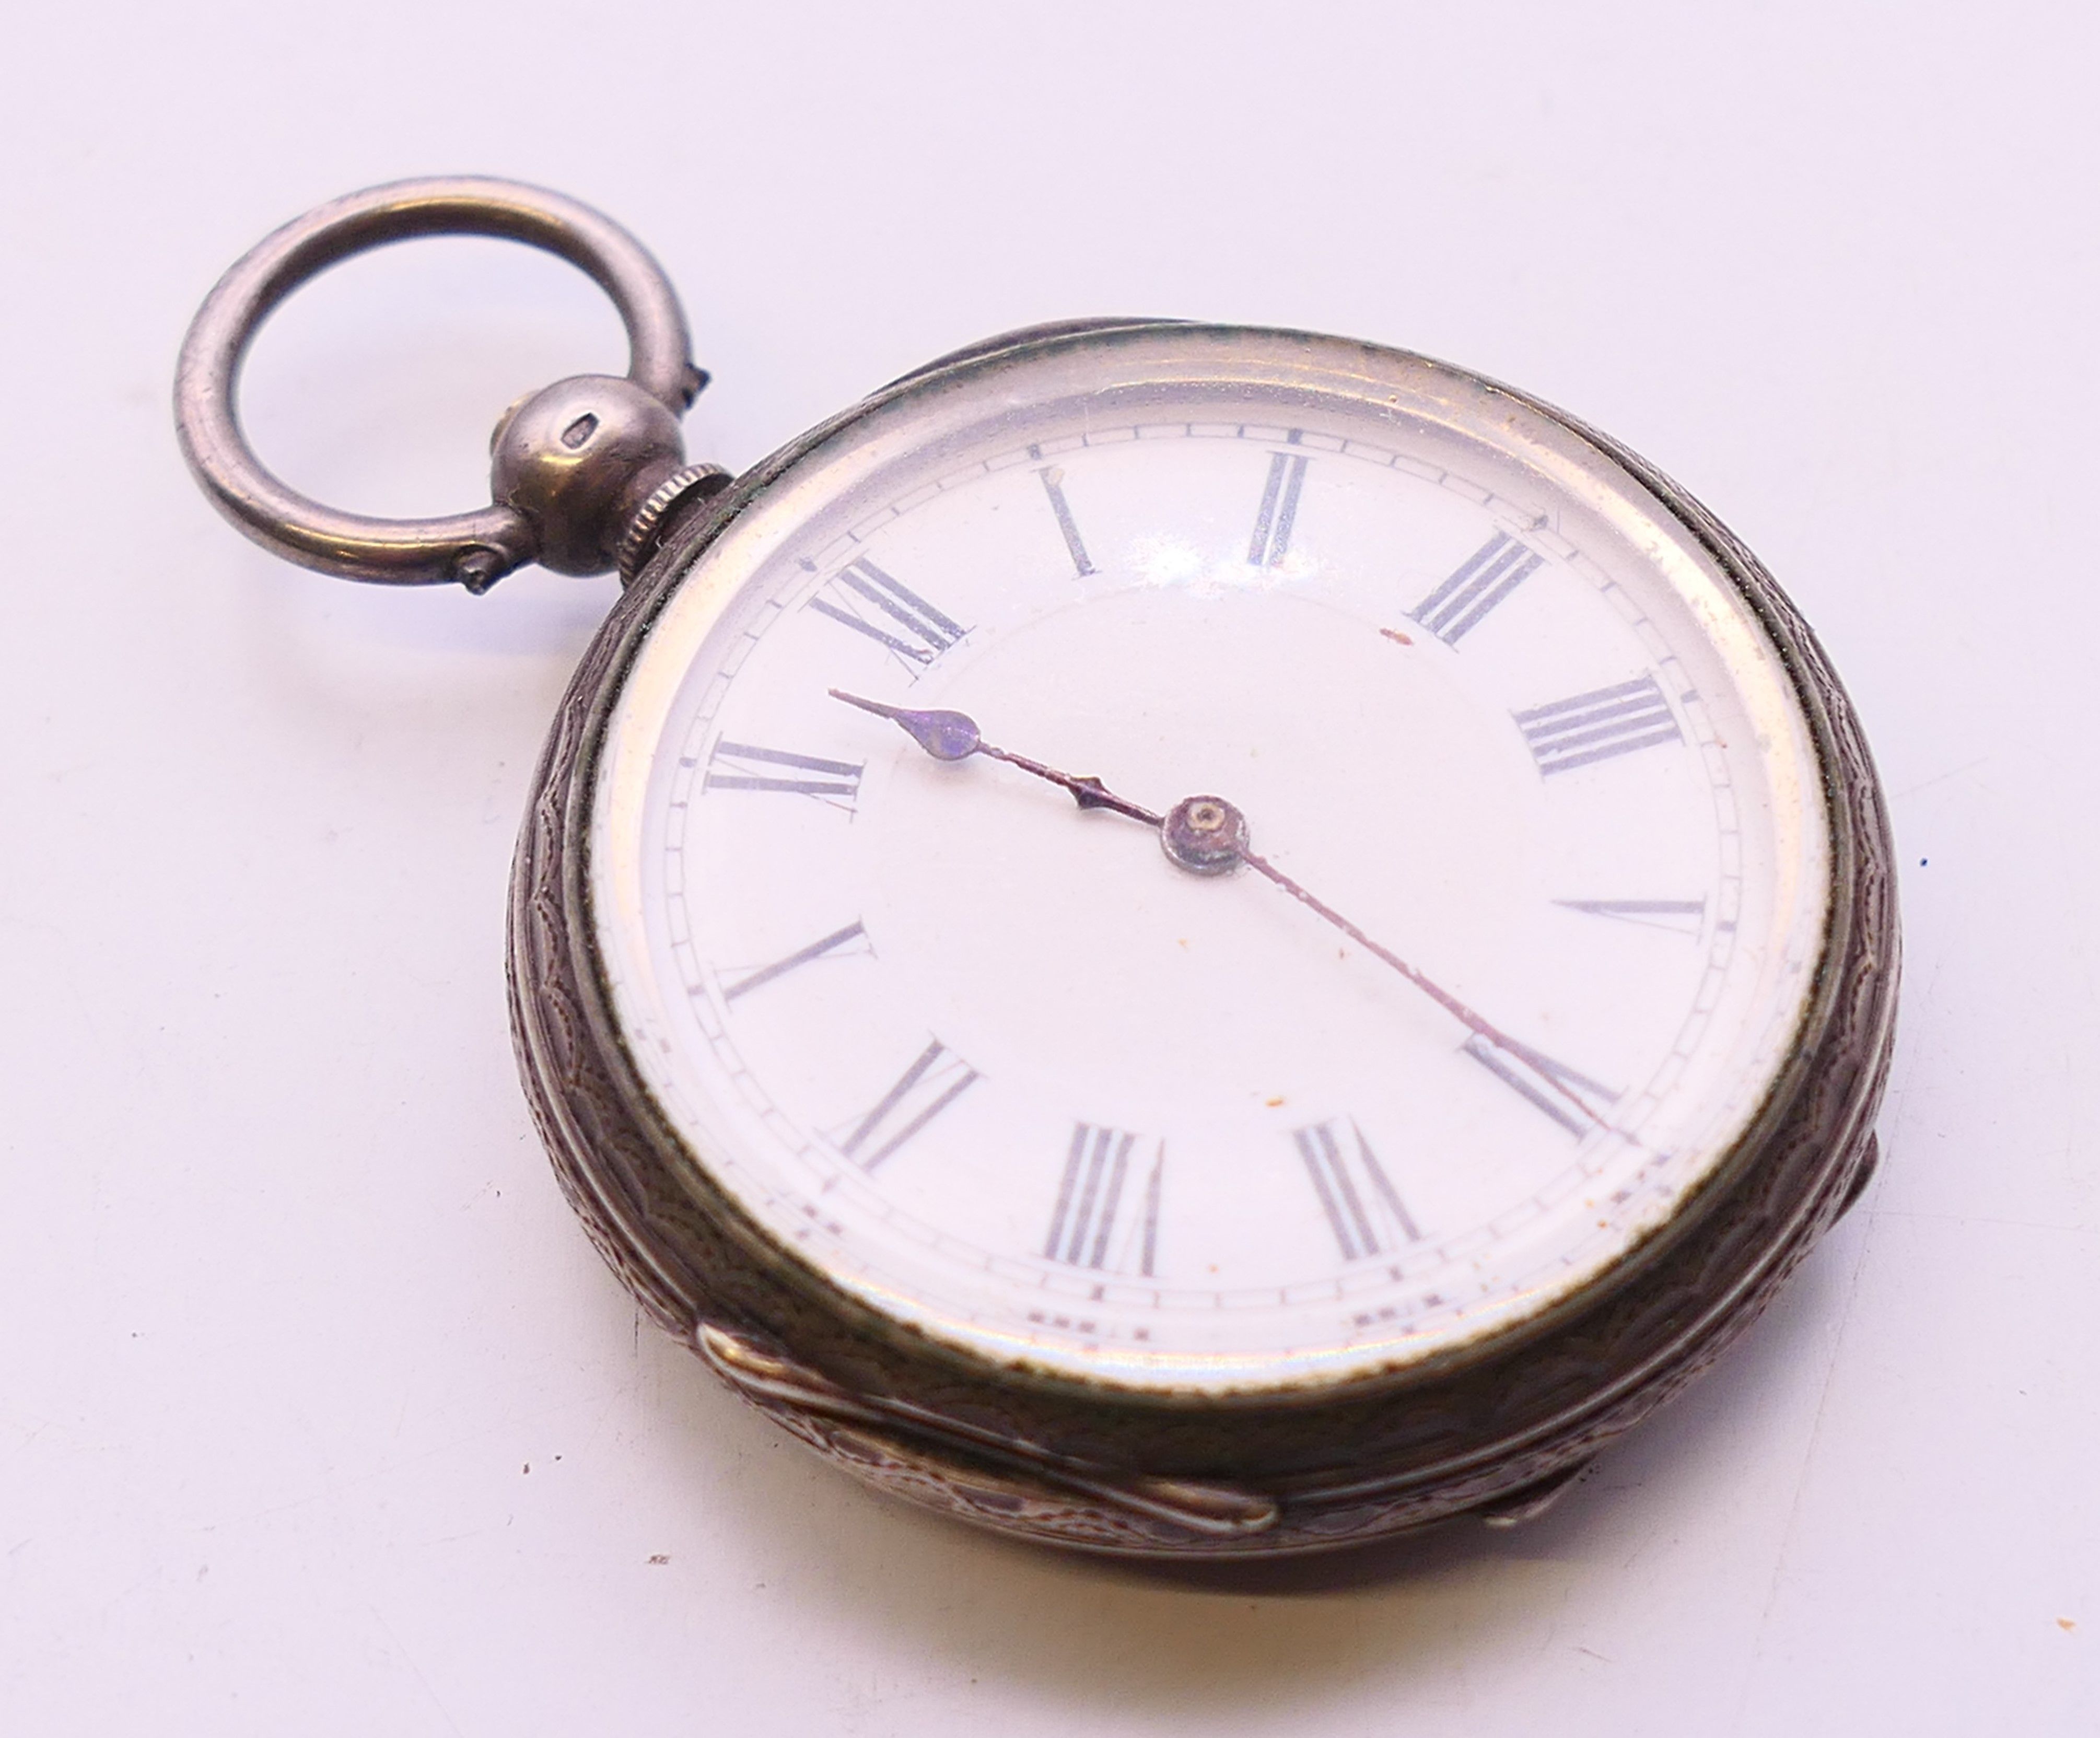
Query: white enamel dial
{"type": "Point", "coordinates": [999, 1067]}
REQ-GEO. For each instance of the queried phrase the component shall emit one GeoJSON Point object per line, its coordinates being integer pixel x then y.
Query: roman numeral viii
{"type": "Point", "coordinates": [1605, 722]}
{"type": "Point", "coordinates": [868, 600]}
{"type": "Point", "coordinates": [933, 1083]}
{"type": "Point", "coordinates": [1278, 516]}
{"type": "Point", "coordinates": [1087, 1227]}
{"type": "Point", "coordinates": [763, 975]}
{"type": "Point", "coordinates": [1489, 575]}
{"type": "Point", "coordinates": [746, 766]}
{"type": "Point", "coordinates": [1364, 1210]}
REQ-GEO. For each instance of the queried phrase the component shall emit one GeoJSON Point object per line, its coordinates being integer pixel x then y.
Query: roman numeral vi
{"type": "Point", "coordinates": [1364, 1210]}
{"type": "Point", "coordinates": [1086, 1227]}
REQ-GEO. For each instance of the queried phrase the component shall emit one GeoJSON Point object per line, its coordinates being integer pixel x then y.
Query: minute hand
{"type": "Point", "coordinates": [1427, 985]}
{"type": "Point", "coordinates": [1208, 835]}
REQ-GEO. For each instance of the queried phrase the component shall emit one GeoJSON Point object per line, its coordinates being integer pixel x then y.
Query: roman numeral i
{"type": "Point", "coordinates": [1068, 527]}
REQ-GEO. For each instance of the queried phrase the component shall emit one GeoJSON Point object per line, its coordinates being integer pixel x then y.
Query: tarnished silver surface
{"type": "Point", "coordinates": [1057, 1461]}
{"type": "Point", "coordinates": [559, 502]}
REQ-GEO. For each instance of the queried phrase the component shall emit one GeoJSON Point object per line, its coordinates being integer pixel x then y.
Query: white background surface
{"type": "Point", "coordinates": [290, 1302]}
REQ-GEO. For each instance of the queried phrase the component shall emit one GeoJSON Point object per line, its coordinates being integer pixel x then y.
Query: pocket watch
{"type": "Point", "coordinates": [1184, 940]}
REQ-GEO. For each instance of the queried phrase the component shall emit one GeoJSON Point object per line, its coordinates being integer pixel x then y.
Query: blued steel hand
{"type": "Point", "coordinates": [1208, 836]}
{"type": "Point", "coordinates": [954, 736]}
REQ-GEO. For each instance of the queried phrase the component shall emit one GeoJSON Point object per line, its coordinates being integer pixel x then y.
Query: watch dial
{"type": "Point", "coordinates": [1531, 898]}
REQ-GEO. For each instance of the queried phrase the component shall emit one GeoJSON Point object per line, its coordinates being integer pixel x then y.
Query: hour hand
{"type": "Point", "coordinates": [954, 736]}
{"type": "Point", "coordinates": [946, 736]}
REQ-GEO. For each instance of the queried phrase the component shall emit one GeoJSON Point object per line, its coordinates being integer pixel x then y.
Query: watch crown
{"type": "Point", "coordinates": [654, 518]}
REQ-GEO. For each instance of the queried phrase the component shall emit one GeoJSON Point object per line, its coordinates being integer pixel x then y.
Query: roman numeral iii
{"type": "Point", "coordinates": [1605, 722]}
{"type": "Point", "coordinates": [1489, 575]}
{"type": "Point", "coordinates": [1679, 916]}
{"type": "Point", "coordinates": [868, 600]}
{"type": "Point", "coordinates": [1089, 1226]}
{"type": "Point", "coordinates": [933, 1083]}
{"type": "Point", "coordinates": [1278, 515]}
{"type": "Point", "coordinates": [1364, 1210]}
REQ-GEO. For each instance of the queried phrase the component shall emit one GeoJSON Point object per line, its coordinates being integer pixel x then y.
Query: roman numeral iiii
{"type": "Point", "coordinates": [1599, 726]}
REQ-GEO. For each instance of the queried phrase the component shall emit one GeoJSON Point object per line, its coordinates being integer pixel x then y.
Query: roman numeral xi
{"type": "Point", "coordinates": [870, 601]}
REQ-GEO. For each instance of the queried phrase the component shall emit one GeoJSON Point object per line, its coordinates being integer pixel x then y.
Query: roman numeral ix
{"type": "Point", "coordinates": [1598, 725]}
{"type": "Point", "coordinates": [1364, 1210]}
{"type": "Point", "coordinates": [935, 1080]}
{"type": "Point", "coordinates": [742, 766]}
{"type": "Point", "coordinates": [1279, 509]}
{"type": "Point", "coordinates": [1489, 575]}
{"type": "Point", "coordinates": [870, 601]}
{"type": "Point", "coordinates": [1084, 1230]}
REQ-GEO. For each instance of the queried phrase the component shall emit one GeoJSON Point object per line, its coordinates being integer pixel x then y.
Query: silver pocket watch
{"type": "Point", "coordinates": [1178, 939]}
